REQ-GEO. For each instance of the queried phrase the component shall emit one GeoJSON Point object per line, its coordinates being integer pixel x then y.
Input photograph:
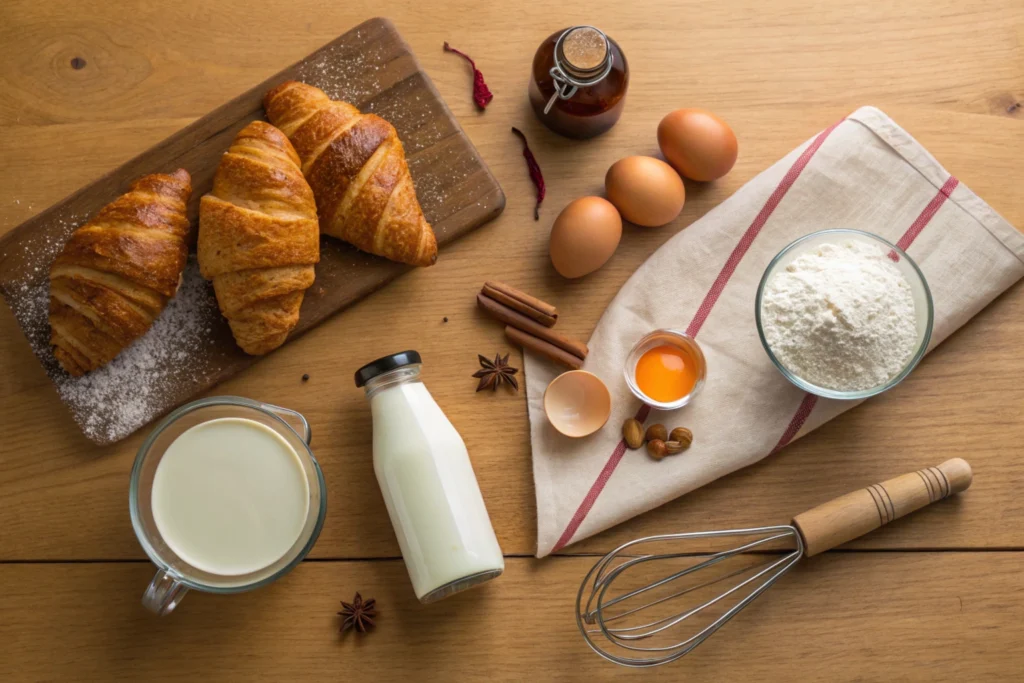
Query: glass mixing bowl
{"type": "Point", "coordinates": [923, 307]}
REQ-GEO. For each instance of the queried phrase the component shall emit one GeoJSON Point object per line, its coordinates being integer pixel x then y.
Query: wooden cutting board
{"type": "Point", "coordinates": [190, 348]}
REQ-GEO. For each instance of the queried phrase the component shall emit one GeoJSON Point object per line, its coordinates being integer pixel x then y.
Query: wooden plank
{"type": "Point", "coordinates": [371, 67]}
{"type": "Point", "coordinates": [839, 617]}
{"type": "Point", "coordinates": [947, 70]}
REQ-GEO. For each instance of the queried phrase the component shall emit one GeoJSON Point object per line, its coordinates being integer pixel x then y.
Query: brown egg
{"type": "Point", "coordinates": [645, 190]}
{"type": "Point", "coordinates": [584, 236]}
{"type": "Point", "coordinates": [697, 143]}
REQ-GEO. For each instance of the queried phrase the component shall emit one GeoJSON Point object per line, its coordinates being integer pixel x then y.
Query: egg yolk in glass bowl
{"type": "Point", "coordinates": [666, 373]}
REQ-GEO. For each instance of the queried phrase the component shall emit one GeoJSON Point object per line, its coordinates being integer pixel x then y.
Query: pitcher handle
{"type": "Point", "coordinates": [163, 594]}
{"type": "Point", "coordinates": [295, 420]}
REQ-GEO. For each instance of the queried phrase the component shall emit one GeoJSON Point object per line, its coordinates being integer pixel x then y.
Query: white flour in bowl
{"type": "Point", "coordinates": [841, 316]}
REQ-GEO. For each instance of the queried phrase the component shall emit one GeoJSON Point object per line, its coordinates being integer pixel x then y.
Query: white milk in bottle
{"type": "Point", "coordinates": [428, 483]}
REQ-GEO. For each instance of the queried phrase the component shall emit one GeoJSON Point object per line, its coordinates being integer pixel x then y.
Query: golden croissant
{"type": "Point", "coordinates": [355, 164]}
{"type": "Point", "coordinates": [258, 237]}
{"type": "Point", "coordinates": [118, 271]}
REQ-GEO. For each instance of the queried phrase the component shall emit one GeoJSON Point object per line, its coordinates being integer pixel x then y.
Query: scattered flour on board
{"type": "Point", "coordinates": [171, 360]}
{"type": "Point", "coordinates": [372, 79]}
{"type": "Point", "coordinates": [841, 316]}
{"type": "Point", "coordinates": [366, 77]}
{"type": "Point", "coordinates": [344, 74]}
{"type": "Point", "coordinates": [144, 380]}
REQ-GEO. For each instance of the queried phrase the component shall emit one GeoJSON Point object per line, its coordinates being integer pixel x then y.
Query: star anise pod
{"type": "Point", "coordinates": [492, 373]}
{"type": "Point", "coordinates": [358, 615]}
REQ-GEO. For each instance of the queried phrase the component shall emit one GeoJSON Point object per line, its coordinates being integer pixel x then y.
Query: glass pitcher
{"type": "Point", "coordinates": [175, 577]}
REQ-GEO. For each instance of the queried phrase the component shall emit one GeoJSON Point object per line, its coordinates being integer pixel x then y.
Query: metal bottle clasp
{"type": "Point", "coordinates": [568, 82]}
{"type": "Point", "coordinates": [563, 88]}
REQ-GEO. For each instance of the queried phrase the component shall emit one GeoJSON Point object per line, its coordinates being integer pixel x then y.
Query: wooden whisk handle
{"type": "Point", "coordinates": [855, 514]}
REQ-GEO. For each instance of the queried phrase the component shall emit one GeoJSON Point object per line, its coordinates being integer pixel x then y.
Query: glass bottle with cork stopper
{"type": "Point", "coordinates": [579, 81]}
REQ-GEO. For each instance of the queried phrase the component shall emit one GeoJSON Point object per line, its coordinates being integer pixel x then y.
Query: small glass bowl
{"type": "Point", "coordinates": [659, 338]}
{"type": "Point", "coordinates": [923, 307]}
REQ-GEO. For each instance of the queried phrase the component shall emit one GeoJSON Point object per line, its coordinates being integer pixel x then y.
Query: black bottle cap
{"type": "Point", "coordinates": [386, 364]}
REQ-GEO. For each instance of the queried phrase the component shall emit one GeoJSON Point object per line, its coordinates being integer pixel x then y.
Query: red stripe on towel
{"type": "Point", "coordinates": [803, 411]}
{"type": "Point", "coordinates": [698, 320]}
{"type": "Point", "coordinates": [926, 216]}
{"type": "Point", "coordinates": [595, 490]}
{"type": "Point", "coordinates": [929, 212]}
{"type": "Point", "coordinates": [755, 227]}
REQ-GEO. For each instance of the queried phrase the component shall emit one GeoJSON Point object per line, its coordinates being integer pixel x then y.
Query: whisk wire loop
{"type": "Point", "coordinates": [617, 638]}
{"type": "Point", "coordinates": [597, 607]}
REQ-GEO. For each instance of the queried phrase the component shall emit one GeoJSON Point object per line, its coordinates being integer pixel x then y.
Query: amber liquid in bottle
{"type": "Point", "coordinates": [592, 110]}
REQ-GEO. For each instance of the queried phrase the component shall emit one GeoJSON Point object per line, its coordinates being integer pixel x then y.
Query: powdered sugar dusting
{"type": "Point", "coordinates": [189, 346]}
{"type": "Point", "coordinates": [36, 251]}
{"type": "Point", "coordinates": [143, 381]}
{"type": "Point", "coordinates": [344, 73]}
{"type": "Point", "coordinates": [371, 79]}
{"type": "Point", "coordinates": [29, 295]}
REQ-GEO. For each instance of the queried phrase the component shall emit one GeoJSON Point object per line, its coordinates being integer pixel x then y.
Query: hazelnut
{"type": "Point", "coordinates": [633, 433]}
{"type": "Point", "coordinates": [657, 433]}
{"type": "Point", "coordinates": [683, 436]}
{"type": "Point", "coordinates": [656, 449]}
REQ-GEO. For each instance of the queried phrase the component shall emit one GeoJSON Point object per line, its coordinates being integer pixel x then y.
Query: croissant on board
{"type": "Point", "coordinates": [118, 271]}
{"type": "Point", "coordinates": [258, 237]}
{"type": "Point", "coordinates": [355, 164]}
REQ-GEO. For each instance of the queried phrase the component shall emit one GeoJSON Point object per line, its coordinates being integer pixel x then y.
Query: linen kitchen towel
{"type": "Point", "coordinates": [864, 172]}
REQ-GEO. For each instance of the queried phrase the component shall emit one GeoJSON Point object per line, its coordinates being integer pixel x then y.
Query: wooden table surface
{"type": "Point", "coordinates": [938, 597]}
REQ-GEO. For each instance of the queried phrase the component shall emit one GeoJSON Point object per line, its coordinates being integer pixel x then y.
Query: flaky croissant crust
{"type": "Point", "coordinates": [259, 238]}
{"type": "Point", "coordinates": [357, 169]}
{"type": "Point", "coordinates": [118, 271]}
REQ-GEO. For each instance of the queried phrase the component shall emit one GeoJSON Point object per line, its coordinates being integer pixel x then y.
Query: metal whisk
{"type": "Point", "coordinates": [662, 614]}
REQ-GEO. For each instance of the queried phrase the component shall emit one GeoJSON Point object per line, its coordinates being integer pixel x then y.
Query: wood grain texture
{"type": "Point", "coordinates": [840, 617]}
{"type": "Point", "coordinates": [860, 512]}
{"type": "Point", "coordinates": [949, 71]}
{"type": "Point", "coordinates": [369, 66]}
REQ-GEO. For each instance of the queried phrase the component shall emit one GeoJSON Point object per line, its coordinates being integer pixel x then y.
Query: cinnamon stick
{"type": "Point", "coordinates": [546, 349]}
{"type": "Point", "coordinates": [532, 307]}
{"type": "Point", "coordinates": [516, 319]}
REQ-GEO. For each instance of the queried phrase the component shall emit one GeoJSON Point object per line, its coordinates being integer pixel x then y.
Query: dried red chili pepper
{"type": "Point", "coordinates": [535, 175]}
{"type": "Point", "coordinates": [481, 93]}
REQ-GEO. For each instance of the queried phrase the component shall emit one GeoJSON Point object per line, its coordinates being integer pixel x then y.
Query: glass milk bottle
{"type": "Point", "coordinates": [428, 483]}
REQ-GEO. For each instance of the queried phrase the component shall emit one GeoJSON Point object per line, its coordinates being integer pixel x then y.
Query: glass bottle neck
{"type": "Point", "coordinates": [582, 58]}
{"type": "Point", "coordinates": [403, 375]}
{"type": "Point", "coordinates": [583, 55]}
